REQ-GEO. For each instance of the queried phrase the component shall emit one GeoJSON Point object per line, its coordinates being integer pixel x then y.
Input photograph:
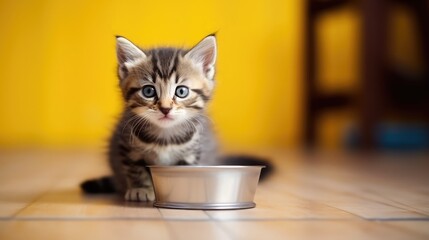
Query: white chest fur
{"type": "Point", "coordinates": [155, 154]}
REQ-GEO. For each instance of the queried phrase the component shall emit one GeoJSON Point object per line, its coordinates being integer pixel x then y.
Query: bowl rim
{"type": "Point", "coordinates": [206, 166]}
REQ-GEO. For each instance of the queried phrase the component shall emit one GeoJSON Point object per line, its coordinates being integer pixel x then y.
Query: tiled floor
{"type": "Point", "coordinates": [318, 196]}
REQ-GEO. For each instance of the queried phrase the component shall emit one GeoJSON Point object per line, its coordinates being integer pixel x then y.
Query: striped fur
{"type": "Point", "coordinates": [145, 135]}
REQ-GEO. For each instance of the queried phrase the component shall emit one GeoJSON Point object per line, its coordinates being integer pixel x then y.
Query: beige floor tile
{"type": "Point", "coordinates": [354, 204]}
{"type": "Point", "coordinates": [420, 228]}
{"type": "Point", "coordinates": [258, 213]}
{"type": "Point", "coordinates": [183, 214]}
{"type": "Point", "coordinates": [379, 189]}
{"type": "Point", "coordinates": [273, 204]}
{"type": "Point", "coordinates": [24, 176]}
{"type": "Point", "coordinates": [320, 230]}
{"type": "Point", "coordinates": [304, 199]}
{"type": "Point", "coordinates": [294, 207]}
{"type": "Point", "coordinates": [91, 230]}
{"type": "Point", "coordinates": [64, 199]}
{"type": "Point", "coordinates": [11, 202]}
{"type": "Point", "coordinates": [75, 205]}
{"type": "Point", "coordinates": [186, 230]}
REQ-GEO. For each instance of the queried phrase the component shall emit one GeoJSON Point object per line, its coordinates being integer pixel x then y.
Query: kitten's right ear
{"type": "Point", "coordinates": [127, 54]}
{"type": "Point", "coordinates": [127, 51]}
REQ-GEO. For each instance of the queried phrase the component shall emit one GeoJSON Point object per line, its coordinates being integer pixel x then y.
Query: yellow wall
{"type": "Point", "coordinates": [57, 66]}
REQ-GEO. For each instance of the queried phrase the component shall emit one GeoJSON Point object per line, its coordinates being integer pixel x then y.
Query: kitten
{"type": "Point", "coordinates": [166, 91]}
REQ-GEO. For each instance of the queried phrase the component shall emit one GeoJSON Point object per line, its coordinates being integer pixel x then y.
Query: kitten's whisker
{"type": "Point", "coordinates": [135, 129]}
{"type": "Point", "coordinates": [198, 120]}
{"type": "Point", "coordinates": [129, 121]}
{"type": "Point", "coordinates": [131, 136]}
{"type": "Point", "coordinates": [141, 124]}
{"type": "Point", "coordinates": [191, 125]}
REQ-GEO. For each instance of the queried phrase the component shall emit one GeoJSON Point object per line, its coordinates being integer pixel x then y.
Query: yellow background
{"type": "Point", "coordinates": [58, 70]}
{"type": "Point", "coordinates": [58, 83]}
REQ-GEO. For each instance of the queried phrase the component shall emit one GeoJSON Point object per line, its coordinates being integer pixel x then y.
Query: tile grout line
{"type": "Point", "coordinates": [43, 193]}
{"type": "Point", "coordinates": [171, 234]}
{"type": "Point", "coordinates": [219, 225]}
{"type": "Point", "coordinates": [211, 219]}
{"type": "Point", "coordinates": [352, 194]}
{"type": "Point", "coordinates": [34, 200]}
{"type": "Point", "coordinates": [357, 197]}
{"type": "Point", "coordinates": [402, 229]}
{"type": "Point", "coordinates": [413, 209]}
{"type": "Point", "coordinates": [328, 205]}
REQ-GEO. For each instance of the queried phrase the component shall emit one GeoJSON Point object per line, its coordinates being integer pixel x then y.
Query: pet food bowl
{"type": "Point", "coordinates": [205, 187]}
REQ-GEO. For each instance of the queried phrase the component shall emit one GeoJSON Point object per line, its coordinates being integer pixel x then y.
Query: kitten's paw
{"type": "Point", "coordinates": [140, 195]}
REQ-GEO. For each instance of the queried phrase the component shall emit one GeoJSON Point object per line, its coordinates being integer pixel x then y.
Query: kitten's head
{"type": "Point", "coordinates": [166, 86]}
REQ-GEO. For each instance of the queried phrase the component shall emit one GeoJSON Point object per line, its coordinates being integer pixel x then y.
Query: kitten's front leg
{"type": "Point", "coordinates": [139, 183]}
{"type": "Point", "coordinates": [140, 195]}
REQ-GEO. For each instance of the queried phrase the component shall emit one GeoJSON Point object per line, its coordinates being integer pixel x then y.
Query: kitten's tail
{"type": "Point", "coordinates": [99, 185]}
{"type": "Point", "coordinates": [249, 161]}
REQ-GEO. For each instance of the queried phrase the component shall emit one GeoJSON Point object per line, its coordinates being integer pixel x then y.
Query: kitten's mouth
{"type": "Point", "coordinates": [165, 118]}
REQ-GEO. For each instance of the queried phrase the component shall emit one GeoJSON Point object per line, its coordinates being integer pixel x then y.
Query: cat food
{"type": "Point", "coordinates": [205, 187]}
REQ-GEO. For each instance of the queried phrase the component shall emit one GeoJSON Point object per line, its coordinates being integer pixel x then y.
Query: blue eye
{"type": "Point", "coordinates": [182, 91]}
{"type": "Point", "coordinates": [148, 91]}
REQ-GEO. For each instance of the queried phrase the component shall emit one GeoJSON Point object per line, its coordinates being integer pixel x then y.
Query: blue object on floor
{"type": "Point", "coordinates": [394, 136]}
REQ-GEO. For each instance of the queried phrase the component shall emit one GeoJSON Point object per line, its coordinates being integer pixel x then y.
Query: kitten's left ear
{"type": "Point", "coordinates": [204, 54]}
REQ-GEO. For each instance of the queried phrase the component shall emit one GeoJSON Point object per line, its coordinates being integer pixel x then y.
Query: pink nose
{"type": "Point", "coordinates": [165, 110]}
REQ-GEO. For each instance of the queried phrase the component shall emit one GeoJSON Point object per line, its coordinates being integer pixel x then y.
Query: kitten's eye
{"type": "Point", "coordinates": [148, 91]}
{"type": "Point", "coordinates": [182, 91]}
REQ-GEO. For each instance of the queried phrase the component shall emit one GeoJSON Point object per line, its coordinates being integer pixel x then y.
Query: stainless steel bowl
{"type": "Point", "coordinates": [205, 187]}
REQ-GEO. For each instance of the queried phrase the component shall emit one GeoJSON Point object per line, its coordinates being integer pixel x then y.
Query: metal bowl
{"type": "Point", "coordinates": [205, 187]}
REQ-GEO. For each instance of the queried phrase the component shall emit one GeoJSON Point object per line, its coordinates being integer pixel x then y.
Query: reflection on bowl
{"type": "Point", "coordinates": [205, 187]}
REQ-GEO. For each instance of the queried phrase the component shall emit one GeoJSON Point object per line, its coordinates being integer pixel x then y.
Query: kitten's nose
{"type": "Point", "coordinates": [165, 110]}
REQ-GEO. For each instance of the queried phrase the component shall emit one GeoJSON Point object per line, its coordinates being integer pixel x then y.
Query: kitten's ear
{"type": "Point", "coordinates": [127, 53]}
{"type": "Point", "coordinates": [204, 54]}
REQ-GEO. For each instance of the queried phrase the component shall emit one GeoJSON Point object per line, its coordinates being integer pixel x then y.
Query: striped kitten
{"type": "Point", "coordinates": [166, 91]}
{"type": "Point", "coordinates": [164, 123]}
